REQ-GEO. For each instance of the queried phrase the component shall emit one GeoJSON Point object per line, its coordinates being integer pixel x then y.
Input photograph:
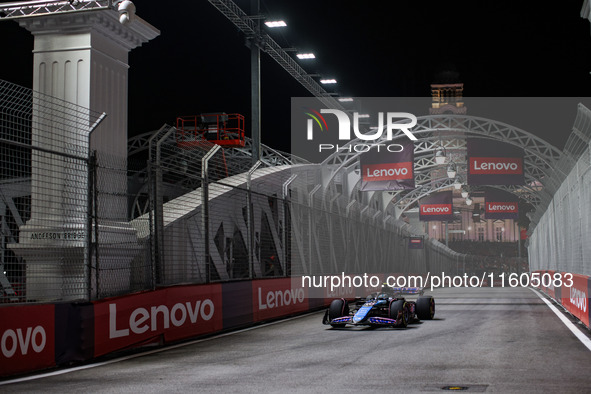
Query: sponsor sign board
{"type": "Point", "coordinates": [494, 163]}
{"type": "Point", "coordinates": [499, 204]}
{"type": "Point", "coordinates": [346, 290]}
{"type": "Point", "coordinates": [576, 297]}
{"type": "Point", "coordinates": [437, 206]}
{"type": "Point", "coordinates": [549, 289]}
{"type": "Point", "coordinates": [27, 338]}
{"type": "Point", "coordinates": [272, 298]}
{"type": "Point", "coordinates": [384, 170]}
{"type": "Point", "coordinates": [415, 243]}
{"type": "Point", "coordinates": [173, 313]}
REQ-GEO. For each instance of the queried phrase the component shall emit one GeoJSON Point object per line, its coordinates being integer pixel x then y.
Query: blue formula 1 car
{"type": "Point", "coordinates": [388, 308]}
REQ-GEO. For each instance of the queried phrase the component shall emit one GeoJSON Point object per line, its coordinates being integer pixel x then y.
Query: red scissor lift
{"type": "Point", "coordinates": [219, 128]}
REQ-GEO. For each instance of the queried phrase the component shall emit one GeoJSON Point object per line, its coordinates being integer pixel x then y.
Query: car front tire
{"type": "Point", "coordinates": [399, 311]}
{"type": "Point", "coordinates": [338, 308]}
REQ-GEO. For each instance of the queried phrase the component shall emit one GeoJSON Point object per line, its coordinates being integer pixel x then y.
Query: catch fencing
{"type": "Point", "coordinates": [44, 196]}
{"type": "Point", "coordinates": [80, 224]}
{"type": "Point", "coordinates": [560, 237]}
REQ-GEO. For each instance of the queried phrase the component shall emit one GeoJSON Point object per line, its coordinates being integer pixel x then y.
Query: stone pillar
{"type": "Point", "coordinates": [81, 58]}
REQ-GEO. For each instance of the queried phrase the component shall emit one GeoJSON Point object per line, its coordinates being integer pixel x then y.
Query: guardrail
{"type": "Point", "coordinates": [569, 290]}
{"type": "Point", "coordinates": [36, 337]}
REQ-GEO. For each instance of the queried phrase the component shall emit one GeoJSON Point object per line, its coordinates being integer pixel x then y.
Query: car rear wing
{"type": "Point", "coordinates": [408, 290]}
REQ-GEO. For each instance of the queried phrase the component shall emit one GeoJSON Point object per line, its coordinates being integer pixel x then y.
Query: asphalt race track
{"type": "Point", "coordinates": [482, 340]}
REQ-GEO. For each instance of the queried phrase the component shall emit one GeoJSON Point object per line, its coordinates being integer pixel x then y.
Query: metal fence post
{"type": "Point", "coordinates": [89, 218]}
{"type": "Point", "coordinates": [249, 223]}
{"type": "Point", "coordinates": [152, 225]}
{"type": "Point", "coordinates": [96, 227]}
{"type": "Point", "coordinates": [284, 196]}
{"type": "Point", "coordinates": [158, 225]}
{"type": "Point", "coordinates": [156, 203]}
{"type": "Point", "coordinates": [310, 209]}
{"type": "Point", "coordinates": [92, 210]}
{"type": "Point", "coordinates": [464, 264]}
{"type": "Point", "coordinates": [205, 208]}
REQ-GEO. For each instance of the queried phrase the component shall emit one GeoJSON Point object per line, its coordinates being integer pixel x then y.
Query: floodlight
{"type": "Point", "coordinates": [275, 24]}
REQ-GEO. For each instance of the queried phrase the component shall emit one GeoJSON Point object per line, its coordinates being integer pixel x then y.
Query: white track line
{"type": "Point", "coordinates": [163, 349]}
{"type": "Point", "coordinates": [582, 337]}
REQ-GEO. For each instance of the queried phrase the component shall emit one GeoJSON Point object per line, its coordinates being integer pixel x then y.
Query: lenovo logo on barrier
{"type": "Point", "coordinates": [388, 171]}
{"type": "Point", "coordinates": [579, 299]}
{"type": "Point", "coordinates": [501, 207]}
{"type": "Point", "coordinates": [496, 165]}
{"type": "Point", "coordinates": [159, 317]}
{"type": "Point", "coordinates": [276, 297]}
{"type": "Point", "coordinates": [23, 340]}
{"type": "Point", "coordinates": [435, 209]}
{"type": "Point", "coordinates": [279, 298]}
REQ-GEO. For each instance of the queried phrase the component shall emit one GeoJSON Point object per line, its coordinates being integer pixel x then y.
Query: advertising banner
{"type": "Point", "coordinates": [343, 288]}
{"type": "Point", "coordinates": [437, 206]}
{"type": "Point", "coordinates": [415, 243]}
{"type": "Point", "coordinates": [547, 280]}
{"type": "Point", "coordinates": [374, 286]}
{"type": "Point", "coordinates": [494, 163]}
{"type": "Point", "coordinates": [385, 170]}
{"type": "Point", "coordinates": [575, 298]}
{"type": "Point", "coordinates": [171, 314]}
{"type": "Point", "coordinates": [499, 204]}
{"type": "Point", "coordinates": [273, 298]}
{"type": "Point", "coordinates": [194, 310]}
{"type": "Point", "coordinates": [27, 335]}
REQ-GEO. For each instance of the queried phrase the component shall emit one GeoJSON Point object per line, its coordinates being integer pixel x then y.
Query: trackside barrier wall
{"type": "Point", "coordinates": [27, 341]}
{"type": "Point", "coordinates": [575, 299]}
{"type": "Point", "coordinates": [35, 337]}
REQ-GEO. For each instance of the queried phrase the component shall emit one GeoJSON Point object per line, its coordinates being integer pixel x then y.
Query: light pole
{"type": "Point", "coordinates": [251, 26]}
{"type": "Point", "coordinates": [255, 84]}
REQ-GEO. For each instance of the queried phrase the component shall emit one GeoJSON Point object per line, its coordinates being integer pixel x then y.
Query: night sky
{"type": "Point", "coordinates": [199, 62]}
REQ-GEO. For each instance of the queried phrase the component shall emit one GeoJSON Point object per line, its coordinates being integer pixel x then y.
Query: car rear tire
{"type": "Point", "coordinates": [425, 308]}
{"type": "Point", "coordinates": [338, 308]}
{"type": "Point", "coordinates": [399, 311]}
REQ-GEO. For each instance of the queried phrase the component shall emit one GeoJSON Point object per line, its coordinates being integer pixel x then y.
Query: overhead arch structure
{"type": "Point", "coordinates": [544, 164]}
